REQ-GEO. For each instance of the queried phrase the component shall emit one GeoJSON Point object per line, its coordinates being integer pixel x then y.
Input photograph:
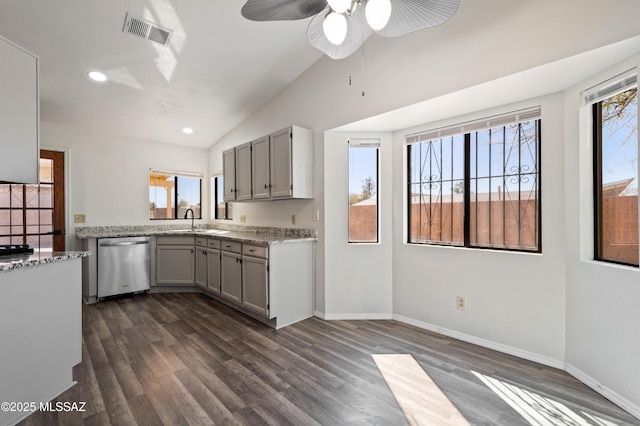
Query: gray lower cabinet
{"type": "Point", "coordinates": [201, 262]}
{"type": "Point", "coordinates": [213, 270]}
{"type": "Point", "coordinates": [255, 283]}
{"type": "Point", "coordinates": [175, 260]}
{"type": "Point", "coordinates": [231, 271]}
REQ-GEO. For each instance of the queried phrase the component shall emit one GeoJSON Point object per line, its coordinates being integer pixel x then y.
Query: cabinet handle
{"type": "Point", "coordinates": [252, 250]}
{"type": "Point", "coordinates": [191, 250]}
{"type": "Point", "coordinates": [266, 186]}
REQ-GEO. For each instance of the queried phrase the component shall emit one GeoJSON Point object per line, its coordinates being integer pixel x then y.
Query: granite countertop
{"type": "Point", "coordinates": [248, 234]}
{"type": "Point", "coordinates": [20, 261]}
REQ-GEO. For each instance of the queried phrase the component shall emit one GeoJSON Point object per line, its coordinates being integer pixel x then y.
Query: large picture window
{"type": "Point", "coordinates": [477, 184]}
{"type": "Point", "coordinates": [172, 194]}
{"type": "Point", "coordinates": [615, 136]}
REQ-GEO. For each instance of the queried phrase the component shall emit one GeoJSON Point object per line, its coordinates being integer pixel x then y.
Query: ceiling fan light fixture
{"type": "Point", "coordinates": [339, 6]}
{"type": "Point", "coordinates": [377, 13]}
{"type": "Point", "coordinates": [335, 28]}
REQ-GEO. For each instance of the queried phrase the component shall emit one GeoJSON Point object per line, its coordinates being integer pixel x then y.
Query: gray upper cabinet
{"type": "Point", "coordinates": [280, 167]}
{"type": "Point", "coordinates": [229, 174]}
{"type": "Point", "coordinates": [260, 164]}
{"type": "Point", "coordinates": [236, 173]}
{"type": "Point", "coordinates": [243, 172]}
{"type": "Point", "coordinates": [291, 163]}
{"type": "Point", "coordinates": [19, 115]}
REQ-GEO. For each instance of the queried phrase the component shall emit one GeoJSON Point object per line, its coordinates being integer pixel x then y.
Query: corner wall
{"type": "Point", "coordinates": [603, 318]}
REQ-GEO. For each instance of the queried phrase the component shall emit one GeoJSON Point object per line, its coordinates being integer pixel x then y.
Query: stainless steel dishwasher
{"type": "Point", "coordinates": [123, 265]}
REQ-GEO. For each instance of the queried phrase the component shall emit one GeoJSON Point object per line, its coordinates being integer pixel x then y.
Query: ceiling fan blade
{"type": "Point", "coordinates": [358, 31]}
{"type": "Point", "coordinates": [408, 16]}
{"type": "Point", "coordinates": [281, 10]}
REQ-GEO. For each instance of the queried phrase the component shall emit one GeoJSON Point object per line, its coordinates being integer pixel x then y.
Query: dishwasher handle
{"type": "Point", "coordinates": [121, 243]}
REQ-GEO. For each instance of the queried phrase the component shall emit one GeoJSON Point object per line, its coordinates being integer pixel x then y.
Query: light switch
{"type": "Point", "coordinates": [79, 218]}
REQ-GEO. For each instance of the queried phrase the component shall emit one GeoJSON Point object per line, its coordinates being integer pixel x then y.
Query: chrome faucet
{"type": "Point", "coordinates": [192, 217]}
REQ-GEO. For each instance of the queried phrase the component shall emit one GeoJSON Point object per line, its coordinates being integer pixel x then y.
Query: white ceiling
{"type": "Point", "coordinates": [216, 71]}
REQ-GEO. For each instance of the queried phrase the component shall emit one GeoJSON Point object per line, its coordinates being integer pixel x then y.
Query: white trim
{"type": "Point", "coordinates": [541, 359]}
{"type": "Point", "coordinates": [350, 317]}
{"type": "Point", "coordinates": [318, 314]}
{"type": "Point", "coordinates": [610, 87]}
{"type": "Point", "coordinates": [514, 117]}
{"type": "Point", "coordinates": [614, 397]}
{"type": "Point", "coordinates": [178, 173]}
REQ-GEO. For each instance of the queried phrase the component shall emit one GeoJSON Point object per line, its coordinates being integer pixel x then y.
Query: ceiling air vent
{"type": "Point", "coordinates": [140, 27]}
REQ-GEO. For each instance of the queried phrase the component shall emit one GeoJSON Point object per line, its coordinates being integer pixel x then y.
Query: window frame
{"type": "Point", "coordinates": [228, 208]}
{"type": "Point", "coordinates": [176, 195]}
{"type": "Point", "coordinates": [598, 198]}
{"type": "Point", "coordinates": [473, 127]}
{"type": "Point", "coordinates": [364, 143]}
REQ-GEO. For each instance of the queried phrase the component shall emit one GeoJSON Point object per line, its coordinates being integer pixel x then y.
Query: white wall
{"type": "Point", "coordinates": [515, 301]}
{"type": "Point", "coordinates": [359, 276]}
{"type": "Point", "coordinates": [108, 176]}
{"type": "Point", "coordinates": [603, 318]}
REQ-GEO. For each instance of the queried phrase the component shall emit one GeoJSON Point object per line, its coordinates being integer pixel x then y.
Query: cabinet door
{"type": "Point", "coordinates": [19, 161]}
{"type": "Point", "coordinates": [231, 282]}
{"type": "Point", "coordinates": [280, 155]}
{"type": "Point", "coordinates": [213, 270]}
{"type": "Point", "coordinates": [243, 171]}
{"type": "Point", "coordinates": [255, 285]}
{"type": "Point", "coordinates": [260, 168]}
{"type": "Point", "coordinates": [229, 174]}
{"type": "Point", "coordinates": [201, 267]}
{"type": "Point", "coordinates": [175, 265]}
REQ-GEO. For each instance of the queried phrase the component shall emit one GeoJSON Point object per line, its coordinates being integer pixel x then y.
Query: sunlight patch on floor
{"type": "Point", "coordinates": [537, 409]}
{"type": "Point", "coordinates": [421, 400]}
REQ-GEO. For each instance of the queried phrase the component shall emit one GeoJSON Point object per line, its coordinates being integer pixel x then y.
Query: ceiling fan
{"type": "Point", "coordinates": [339, 27]}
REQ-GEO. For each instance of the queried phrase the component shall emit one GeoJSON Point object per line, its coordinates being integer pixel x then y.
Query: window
{"type": "Point", "coordinates": [221, 210]}
{"type": "Point", "coordinates": [363, 190]}
{"type": "Point", "coordinates": [171, 195]}
{"type": "Point", "coordinates": [34, 214]}
{"type": "Point", "coordinates": [477, 184]}
{"type": "Point", "coordinates": [615, 136]}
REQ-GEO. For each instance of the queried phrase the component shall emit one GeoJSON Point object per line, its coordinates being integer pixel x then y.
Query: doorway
{"type": "Point", "coordinates": [34, 214]}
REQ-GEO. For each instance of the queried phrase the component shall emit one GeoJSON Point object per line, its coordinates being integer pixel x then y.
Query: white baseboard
{"type": "Point", "coordinates": [346, 317]}
{"type": "Point", "coordinates": [612, 396]}
{"type": "Point", "coordinates": [541, 359]}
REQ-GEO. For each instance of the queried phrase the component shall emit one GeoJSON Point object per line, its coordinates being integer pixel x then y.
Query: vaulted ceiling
{"type": "Point", "coordinates": [215, 71]}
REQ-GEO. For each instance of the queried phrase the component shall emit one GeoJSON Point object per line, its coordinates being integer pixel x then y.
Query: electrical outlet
{"type": "Point", "coordinates": [316, 215]}
{"type": "Point", "coordinates": [461, 303]}
{"type": "Point", "coordinates": [79, 218]}
{"type": "Point", "coordinates": [243, 218]}
{"type": "Point", "coordinates": [293, 219]}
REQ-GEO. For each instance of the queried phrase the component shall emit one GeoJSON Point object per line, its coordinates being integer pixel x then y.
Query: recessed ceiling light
{"type": "Point", "coordinates": [187, 130]}
{"type": "Point", "coordinates": [97, 76]}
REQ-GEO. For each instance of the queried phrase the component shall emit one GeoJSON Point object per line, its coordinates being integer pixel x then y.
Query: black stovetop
{"type": "Point", "coordinates": [15, 249]}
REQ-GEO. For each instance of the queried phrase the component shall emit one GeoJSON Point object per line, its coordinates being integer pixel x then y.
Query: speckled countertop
{"type": "Point", "coordinates": [248, 234]}
{"type": "Point", "coordinates": [20, 261]}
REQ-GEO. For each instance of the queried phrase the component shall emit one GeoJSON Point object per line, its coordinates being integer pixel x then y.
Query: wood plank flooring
{"type": "Point", "coordinates": [184, 359]}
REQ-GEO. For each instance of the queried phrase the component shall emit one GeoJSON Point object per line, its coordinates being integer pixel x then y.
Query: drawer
{"type": "Point", "coordinates": [201, 241]}
{"type": "Point", "coordinates": [254, 250]}
{"type": "Point", "coordinates": [231, 246]}
{"type": "Point", "coordinates": [213, 243]}
{"type": "Point", "coordinates": [177, 240]}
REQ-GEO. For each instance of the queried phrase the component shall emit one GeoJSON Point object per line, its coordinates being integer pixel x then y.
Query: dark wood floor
{"type": "Point", "coordinates": [178, 359]}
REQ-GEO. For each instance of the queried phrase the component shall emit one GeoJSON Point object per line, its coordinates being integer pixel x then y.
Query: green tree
{"type": "Point", "coordinates": [368, 191]}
